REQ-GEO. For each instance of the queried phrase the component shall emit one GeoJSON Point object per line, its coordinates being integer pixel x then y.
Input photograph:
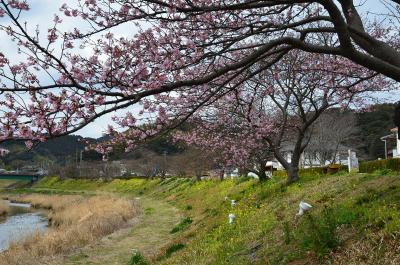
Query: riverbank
{"type": "Point", "coordinates": [21, 220]}
{"type": "Point", "coordinates": [4, 209]}
{"type": "Point", "coordinates": [74, 221]}
{"type": "Point", "coordinates": [355, 219]}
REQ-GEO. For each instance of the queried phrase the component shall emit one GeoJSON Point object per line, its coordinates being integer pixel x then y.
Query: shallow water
{"type": "Point", "coordinates": [21, 222]}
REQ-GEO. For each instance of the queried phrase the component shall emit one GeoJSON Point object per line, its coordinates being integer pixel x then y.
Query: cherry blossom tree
{"type": "Point", "coordinates": [279, 107]}
{"type": "Point", "coordinates": [186, 54]}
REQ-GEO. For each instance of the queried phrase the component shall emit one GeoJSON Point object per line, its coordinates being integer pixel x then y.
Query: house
{"type": "Point", "coordinates": [315, 156]}
{"type": "Point", "coordinates": [392, 144]}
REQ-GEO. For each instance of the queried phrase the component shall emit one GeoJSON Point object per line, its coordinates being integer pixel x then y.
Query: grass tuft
{"type": "Point", "coordinates": [137, 259]}
{"type": "Point", "coordinates": [174, 248]}
{"type": "Point", "coordinates": [183, 225]}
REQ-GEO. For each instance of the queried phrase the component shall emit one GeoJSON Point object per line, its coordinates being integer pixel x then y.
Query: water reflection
{"type": "Point", "coordinates": [21, 222]}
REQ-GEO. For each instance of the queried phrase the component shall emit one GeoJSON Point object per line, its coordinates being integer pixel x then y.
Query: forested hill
{"type": "Point", "coordinates": [58, 150]}
{"type": "Point", "coordinates": [372, 126]}
{"type": "Point", "coordinates": [67, 148]}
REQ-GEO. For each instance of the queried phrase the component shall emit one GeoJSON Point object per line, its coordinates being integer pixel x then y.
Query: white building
{"type": "Point", "coordinates": [392, 144]}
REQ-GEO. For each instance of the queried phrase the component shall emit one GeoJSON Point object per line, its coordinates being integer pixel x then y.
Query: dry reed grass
{"type": "Point", "coordinates": [75, 221]}
{"type": "Point", "coordinates": [51, 202]}
{"type": "Point", "coordinates": [4, 208]}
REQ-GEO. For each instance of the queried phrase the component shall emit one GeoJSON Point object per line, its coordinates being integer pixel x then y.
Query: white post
{"type": "Point", "coordinates": [232, 218]}
{"type": "Point", "coordinates": [349, 160]}
{"type": "Point", "coordinates": [353, 161]}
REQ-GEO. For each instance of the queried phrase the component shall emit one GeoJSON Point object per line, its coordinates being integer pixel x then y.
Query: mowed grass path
{"type": "Point", "coordinates": [147, 233]}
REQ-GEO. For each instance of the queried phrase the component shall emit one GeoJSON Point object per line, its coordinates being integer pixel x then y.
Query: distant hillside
{"type": "Point", "coordinates": [373, 125]}
{"type": "Point", "coordinates": [67, 148]}
{"type": "Point", "coordinates": [58, 150]}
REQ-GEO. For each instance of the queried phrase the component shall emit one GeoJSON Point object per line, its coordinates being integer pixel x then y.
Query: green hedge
{"type": "Point", "coordinates": [313, 171]}
{"type": "Point", "coordinates": [371, 166]}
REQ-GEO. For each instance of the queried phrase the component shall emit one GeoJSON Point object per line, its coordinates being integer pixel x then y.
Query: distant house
{"type": "Point", "coordinates": [4, 152]}
{"type": "Point", "coordinates": [314, 156]}
{"type": "Point", "coordinates": [311, 157]}
{"type": "Point", "coordinates": [392, 144]}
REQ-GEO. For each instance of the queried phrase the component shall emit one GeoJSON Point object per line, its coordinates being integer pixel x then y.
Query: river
{"type": "Point", "coordinates": [21, 222]}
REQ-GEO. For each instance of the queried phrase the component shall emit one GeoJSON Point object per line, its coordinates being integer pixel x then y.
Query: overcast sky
{"type": "Point", "coordinates": [42, 14]}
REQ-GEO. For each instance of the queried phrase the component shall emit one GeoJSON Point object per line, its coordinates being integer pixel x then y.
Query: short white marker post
{"type": "Point", "coordinates": [232, 218]}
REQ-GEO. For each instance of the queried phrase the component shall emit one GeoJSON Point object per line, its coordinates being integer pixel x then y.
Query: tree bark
{"type": "Point", "coordinates": [262, 176]}
{"type": "Point", "coordinates": [293, 174]}
{"type": "Point", "coordinates": [292, 168]}
{"type": "Point", "coordinates": [221, 175]}
{"type": "Point", "coordinates": [261, 171]}
{"type": "Point", "coordinates": [198, 177]}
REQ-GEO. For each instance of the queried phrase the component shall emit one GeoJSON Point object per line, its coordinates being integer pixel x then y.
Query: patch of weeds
{"type": "Point", "coordinates": [188, 207]}
{"type": "Point", "coordinates": [385, 172]}
{"type": "Point", "coordinates": [137, 259]}
{"type": "Point", "coordinates": [149, 211]}
{"type": "Point", "coordinates": [287, 233]}
{"type": "Point", "coordinates": [211, 212]}
{"type": "Point", "coordinates": [263, 194]}
{"type": "Point", "coordinates": [283, 188]}
{"type": "Point", "coordinates": [242, 179]}
{"type": "Point", "coordinates": [318, 233]}
{"type": "Point", "coordinates": [183, 225]}
{"type": "Point", "coordinates": [367, 177]}
{"type": "Point", "coordinates": [174, 248]}
{"type": "Point", "coordinates": [370, 196]}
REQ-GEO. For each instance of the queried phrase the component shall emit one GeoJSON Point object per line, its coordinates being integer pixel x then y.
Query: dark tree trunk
{"type": "Point", "coordinates": [261, 171]}
{"type": "Point", "coordinates": [221, 175]}
{"type": "Point", "coordinates": [262, 176]}
{"type": "Point", "coordinates": [293, 174]}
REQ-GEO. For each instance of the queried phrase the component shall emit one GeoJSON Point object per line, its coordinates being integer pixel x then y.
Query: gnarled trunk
{"type": "Point", "coordinates": [293, 174]}
{"type": "Point", "coordinates": [261, 168]}
{"type": "Point", "coordinates": [262, 176]}
{"type": "Point", "coordinates": [198, 176]}
{"type": "Point", "coordinates": [221, 175]}
{"type": "Point", "coordinates": [292, 168]}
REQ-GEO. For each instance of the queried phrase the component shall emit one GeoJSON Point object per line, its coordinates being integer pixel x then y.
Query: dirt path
{"type": "Point", "coordinates": [147, 233]}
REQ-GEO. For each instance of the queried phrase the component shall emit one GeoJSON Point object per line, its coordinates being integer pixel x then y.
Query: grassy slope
{"type": "Point", "coordinates": [354, 220]}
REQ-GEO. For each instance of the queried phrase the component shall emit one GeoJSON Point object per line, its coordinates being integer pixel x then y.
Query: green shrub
{"type": "Point", "coordinates": [137, 259]}
{"type": "Point", "coordinates": [183, 224]}
{"type": "Point", "coordinates": [383, 164]}
{"type": "Point", "coordinates": [188, 207]}
{"type": "Point", "coordinates": [314, 171]}
{"type": "Point", "coordinates": [173, 248]}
